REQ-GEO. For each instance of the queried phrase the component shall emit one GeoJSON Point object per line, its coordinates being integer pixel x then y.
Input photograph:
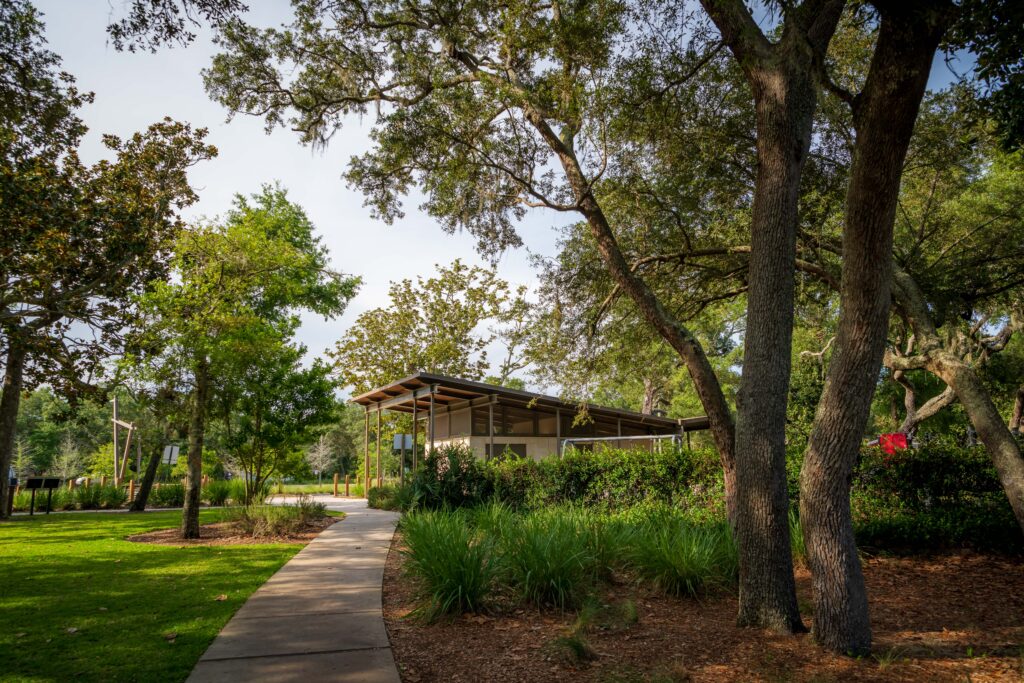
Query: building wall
{"type": "Point", "coordinates": [537, 447]}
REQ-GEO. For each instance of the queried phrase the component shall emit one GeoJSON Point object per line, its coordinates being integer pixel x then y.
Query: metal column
{"type": "Point", "coordinates": [490, 428]}
{"type": "Point", "coordinates": [431, 425]}
{"type": "Point", "coordinates": [380, 475]}
{"type": "Point", "coordinates": [366, 451]}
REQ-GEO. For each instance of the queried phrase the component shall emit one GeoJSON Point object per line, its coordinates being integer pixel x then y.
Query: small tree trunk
{"type": "Point", "coordinates": [884, 117]}
{"type": "Point", "coordinates": [1018, 411]}
{"type": "Point", "coordinates": [1003, 448]}
{"type": "Point", "coordinates": [196, 429]}
{"type": "Point", "coordinates": [146, 485]}
{"type": "Point", "coordinates": [14, 372]}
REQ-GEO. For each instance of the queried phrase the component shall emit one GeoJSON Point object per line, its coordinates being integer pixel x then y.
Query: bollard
{"type": "Point", "coordinates": [71, 484]}
{"type": "Point", "coordinates": [346, 486]}
{"type": "Point", "coordinates": [335, 484]}
{"type": "Point", "coordinates": [103, 480]}
{"type": "Point", "coordinates": [88, 482]}
{"type": "Point", "coordinates": [131, 490]}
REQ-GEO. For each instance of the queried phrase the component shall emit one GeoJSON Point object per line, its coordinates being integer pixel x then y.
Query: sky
{"type": "Point", "coordinates": [135, 90]}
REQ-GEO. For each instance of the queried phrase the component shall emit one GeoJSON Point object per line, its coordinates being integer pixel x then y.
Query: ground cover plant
{"type": "Point", "coordinates": [266, 521]}
{"type": "Point", "coordinates": [478, 559]}
{"type": "Point", "coordinates": [939, 497]}
{"type": "Point", "coordinates": [82, 602]}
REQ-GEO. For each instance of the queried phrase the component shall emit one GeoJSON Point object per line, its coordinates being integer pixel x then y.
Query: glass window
{"type": "Point", "coordinates": [518, 421]}
{"type": "Point", "coordinates": [546, 425]}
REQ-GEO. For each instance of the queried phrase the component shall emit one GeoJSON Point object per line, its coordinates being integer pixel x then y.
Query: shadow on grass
{"type": "Point", "coordinates": [80, 601]}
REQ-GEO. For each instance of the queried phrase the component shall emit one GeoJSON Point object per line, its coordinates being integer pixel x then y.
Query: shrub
{"type": "Point", "coordinates": [88, 497]}
{"type": "Point", "coordinates": [263, 521]}
{"type": "Point", "coordinates": [217, 492]}
{"type": "Point", "coordinates": [382, 498]}
{"type": "Point", "coordinates": [682, 558]}
{"type": "Point", "coordinates": [549, 559]}
{"type": "Point", "coordinates": [451, 476]}
{"type": "Point", "coordinates": [112, 497]}
{"type": "Point", "coordinates": [456, 567]}
{"type": "Point", "coordinates": [167, 496]}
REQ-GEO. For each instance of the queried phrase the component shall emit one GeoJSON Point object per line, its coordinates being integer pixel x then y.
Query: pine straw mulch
{"type": "Point", "coordinates": [228, 533]}
{"type": "Point", "coordinates": [950, 618]}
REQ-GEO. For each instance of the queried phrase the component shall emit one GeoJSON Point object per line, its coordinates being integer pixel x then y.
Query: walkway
{"type": "Point", "coordinates": [319, 616]}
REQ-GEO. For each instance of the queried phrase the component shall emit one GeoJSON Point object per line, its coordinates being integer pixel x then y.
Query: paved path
{"type": "Point", "coordinates": [319, 616]}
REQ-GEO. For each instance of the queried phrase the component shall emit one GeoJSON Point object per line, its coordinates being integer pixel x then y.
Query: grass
{"type": "Point", "coordinates": [456, 567]}
{"type": "Point", "coordinates": [81, 602]}
{"type": "Point", "coordinates": [681, 558]}
{"type": "Point", "coordinates": [549, 558]}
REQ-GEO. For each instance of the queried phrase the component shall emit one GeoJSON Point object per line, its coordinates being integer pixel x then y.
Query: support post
{"type": "Point", "coordinates": [558, 432]}
{"type": "Point", "coordinates": [380, 474]}
{"type": "Point", "coordinates": [415, 434]}
{"type": "Point", "coordinates": [131, 490]}
{"type": "Point", "coordinates": [401, 461]}
{"type": "Point", "coordinates": [346, 486]}
{"type": "Point", "coordinates": [431, 420]}
{"type": "Point", "coordinates": [366, 451]}
{"type": "Point", "coordinates": [335, 484]}
{"type": "Point", "coordinates": [490, 429]}
{"type": "Point", "coordinates": [116, 451]}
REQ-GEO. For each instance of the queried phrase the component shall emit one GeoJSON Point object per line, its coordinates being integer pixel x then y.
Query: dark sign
{"type": "Point", "coordinates": [42, 483]}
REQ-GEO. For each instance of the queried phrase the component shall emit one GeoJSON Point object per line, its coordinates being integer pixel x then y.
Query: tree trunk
{"type": "Point", "coordinates": [682, 340]}
{"type": "Point", "coordinates": [196, 429]}
{"type": "Point", "coordinates": [1018, 411]}
{"type": "Point", "coordinates": [9, 401]}
{"type": "Point", "coordinates": [884, 117]}
{"type": "Point", "coordinates": [785, 98]}
{"type": "Point", "coordinates": [1003, 448]}
{"type": "Point", "coordinates": [146, 485]}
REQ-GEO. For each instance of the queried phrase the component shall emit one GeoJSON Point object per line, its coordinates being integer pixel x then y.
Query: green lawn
{"type": "Point", "coordinates": [77, 601]}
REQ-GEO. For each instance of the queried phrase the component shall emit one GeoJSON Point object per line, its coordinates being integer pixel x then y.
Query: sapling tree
{"type": "Point", "coordinates": [233, 303]}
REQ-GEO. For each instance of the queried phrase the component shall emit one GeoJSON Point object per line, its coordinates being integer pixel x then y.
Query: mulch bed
{"type": "Point", "coordinates": [227, 533]}
{"type": "Point", "coordinates": [950, 618]}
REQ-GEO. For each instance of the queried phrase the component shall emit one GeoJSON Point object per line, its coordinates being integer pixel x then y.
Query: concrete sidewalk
{"type": "Point", "coordinates": [319, 616]}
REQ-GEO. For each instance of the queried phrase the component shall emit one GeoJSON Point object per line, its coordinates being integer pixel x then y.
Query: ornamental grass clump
{"type": "Point", "coordinates": [549, 559]}
{"type": "Point", "coordinates": [217, 492]}
{"type": "Point", "coordinates": [683, 558]}
{"type": "Point", "coordinates": [266, 521]}
{"type": "Point", "coordinates": [457, 567]}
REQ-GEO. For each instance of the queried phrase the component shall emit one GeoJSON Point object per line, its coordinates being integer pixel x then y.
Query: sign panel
{"type": "Point", "coordinates": [170, 455]}
{"type": "Point", "coordinates": [403, 438]}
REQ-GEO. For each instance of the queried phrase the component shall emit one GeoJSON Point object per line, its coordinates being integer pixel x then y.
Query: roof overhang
{"type": "Point", "coordinates": [418, 391]}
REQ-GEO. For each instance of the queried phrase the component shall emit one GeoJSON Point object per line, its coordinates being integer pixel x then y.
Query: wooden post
{"type": "Point", "coordinates": [380, 474]}
{"type": "Point", "coordinates": [103, 480]}
{"type": "Point", "coordinates": [346, 486]}
{"type": "Point", "coordinates": [71, 484]}
{"type": "Point", "coordinates": [415, 430]}
{"type": "Point", "coordinates": [366, 451]}
{"type": "Point", "coordinates": [131, 489]}
{"type": "Point", "coordinates": [88, 481]}
{"type": "Point", "coordinates": [335, 484]}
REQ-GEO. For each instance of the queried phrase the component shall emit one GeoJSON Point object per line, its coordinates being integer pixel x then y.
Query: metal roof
{"type": "Point", "coordinates": [450, 393]}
